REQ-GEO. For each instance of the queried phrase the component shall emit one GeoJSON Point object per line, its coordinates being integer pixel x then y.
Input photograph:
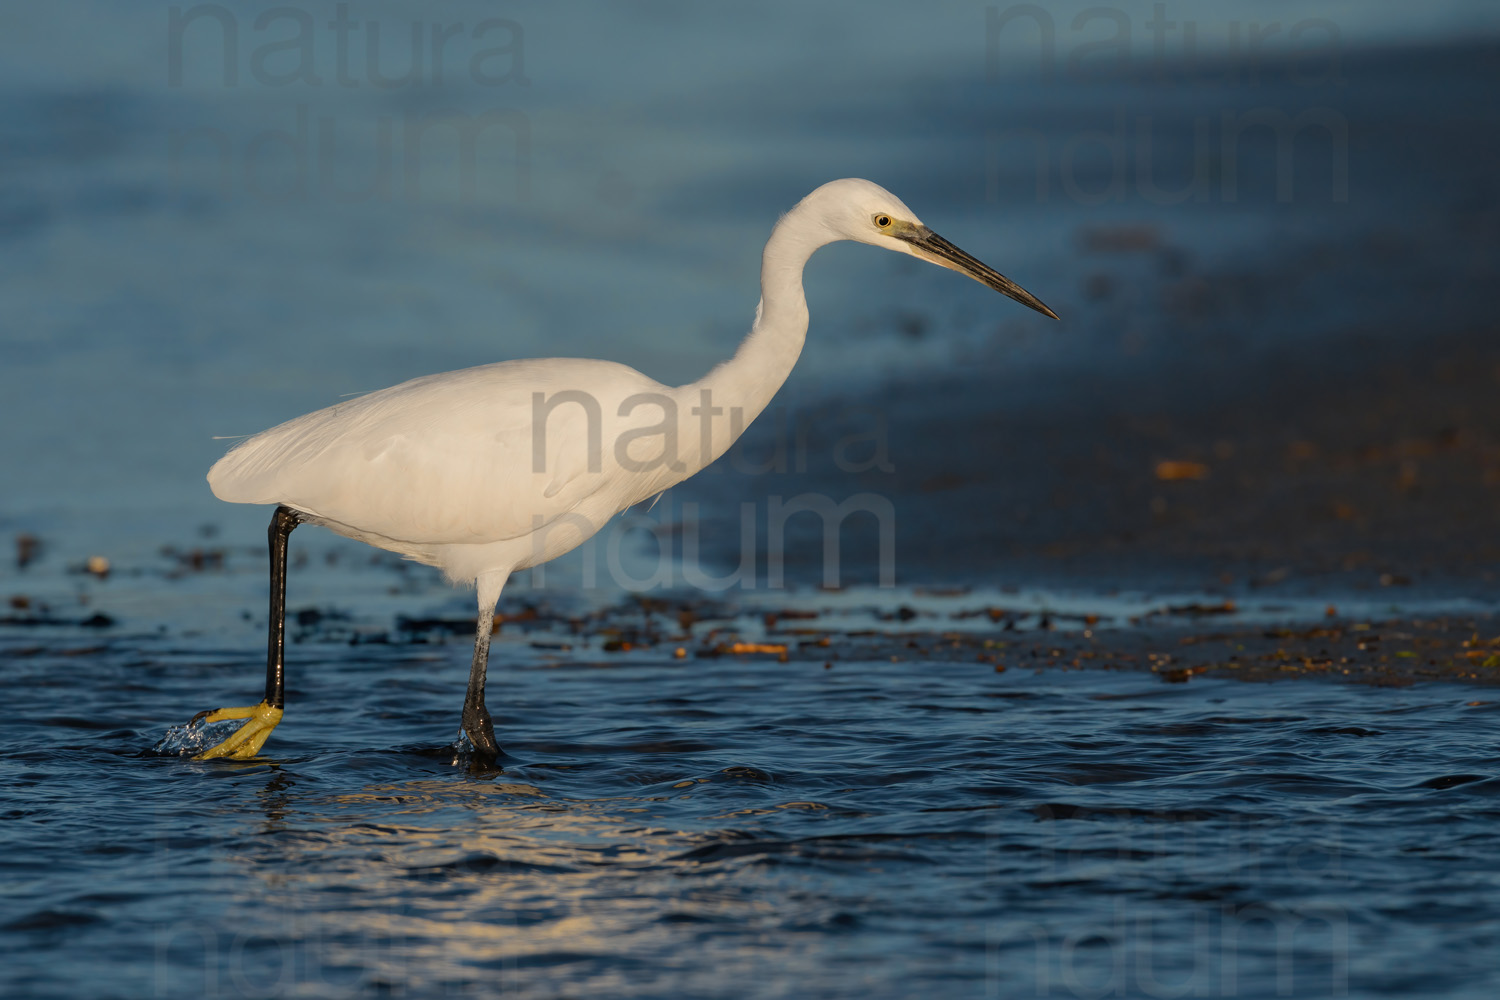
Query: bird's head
{"type": "Point", "coordinates": [863, 211]}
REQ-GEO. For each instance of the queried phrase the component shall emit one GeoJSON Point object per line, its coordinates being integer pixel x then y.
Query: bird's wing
{"type": "Point", "coordinates": [453, 458]}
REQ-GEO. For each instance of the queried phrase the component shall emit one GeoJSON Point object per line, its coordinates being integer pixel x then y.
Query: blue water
{"type": "Point", "coordinates": [738, 827]}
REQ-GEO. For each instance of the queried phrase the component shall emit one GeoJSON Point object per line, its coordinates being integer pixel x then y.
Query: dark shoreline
{"type": "Point", "coordinates": [1326, 398]}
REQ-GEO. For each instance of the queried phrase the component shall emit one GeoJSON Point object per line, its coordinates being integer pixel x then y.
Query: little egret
{"type": "Point", "coordinates": [488, 470]}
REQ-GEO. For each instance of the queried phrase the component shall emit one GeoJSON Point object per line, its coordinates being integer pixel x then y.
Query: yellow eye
{"type": "Point", "coordinates": [882, 222]}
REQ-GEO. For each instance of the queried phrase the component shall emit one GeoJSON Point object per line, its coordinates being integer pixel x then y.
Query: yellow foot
{"type": "Point", "coordinates": [246, 741]}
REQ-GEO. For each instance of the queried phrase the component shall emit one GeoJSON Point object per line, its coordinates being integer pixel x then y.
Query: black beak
{"type": "Point", "coordinates": [938, 250]}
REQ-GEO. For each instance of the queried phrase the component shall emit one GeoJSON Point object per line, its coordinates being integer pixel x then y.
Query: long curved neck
{"type": "Point", "coordinates": [740, 388]}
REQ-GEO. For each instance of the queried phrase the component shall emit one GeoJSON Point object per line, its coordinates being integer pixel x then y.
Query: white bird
{"type": "Point", "coordinates": [489, 470]}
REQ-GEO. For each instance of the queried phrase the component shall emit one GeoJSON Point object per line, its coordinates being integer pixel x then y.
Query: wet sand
{"type": "Point", "coordinates": [1317, 416]}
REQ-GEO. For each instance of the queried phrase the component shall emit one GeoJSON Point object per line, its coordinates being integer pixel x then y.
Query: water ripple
{"type": "Point", "coordinates": [671, 839]}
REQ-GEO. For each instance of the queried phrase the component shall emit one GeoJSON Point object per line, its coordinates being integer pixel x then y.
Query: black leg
{"type": "Point", "coordinates": [246, 741]}
{"type": "Point", "coordinates": [476, 717]}
{"type": "Point", "coordinates": [282, 523]}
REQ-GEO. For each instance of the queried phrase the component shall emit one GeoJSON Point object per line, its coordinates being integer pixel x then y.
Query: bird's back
{"type": "Point", "coordinates": [469, 457]}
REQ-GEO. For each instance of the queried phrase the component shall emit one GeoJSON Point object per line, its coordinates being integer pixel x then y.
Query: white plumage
{"type": "Point", "coordinates": [445, 469]}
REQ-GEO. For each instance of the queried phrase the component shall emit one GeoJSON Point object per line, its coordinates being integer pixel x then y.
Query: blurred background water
{"type": "Point", "coordinates": [219, 218]}
{"type": "Point", "coordinates": [1270, 229]}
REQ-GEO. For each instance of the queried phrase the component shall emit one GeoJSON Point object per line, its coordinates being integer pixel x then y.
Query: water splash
{"type": "Point", "coordinates": [190, 740]}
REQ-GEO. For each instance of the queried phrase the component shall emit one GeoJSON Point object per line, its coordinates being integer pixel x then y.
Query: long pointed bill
{"type": "Point", "coordinates": [933, 247]}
